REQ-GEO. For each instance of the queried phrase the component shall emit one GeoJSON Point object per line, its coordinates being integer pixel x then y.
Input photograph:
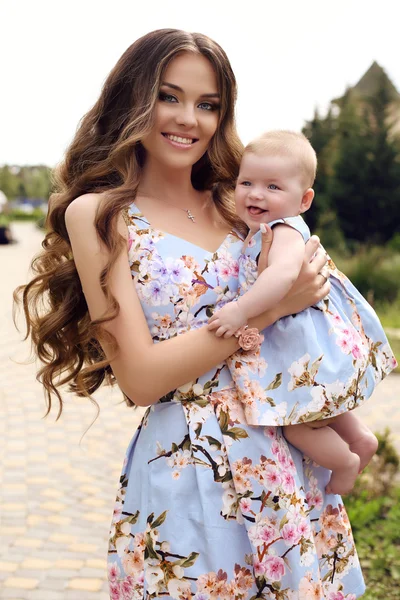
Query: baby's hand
{"type": "Point", "coordinates": [227, 320]}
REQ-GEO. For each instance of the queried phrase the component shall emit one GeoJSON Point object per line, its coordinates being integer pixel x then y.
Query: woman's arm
{"type": "Point", "coordinates": [145, 371]}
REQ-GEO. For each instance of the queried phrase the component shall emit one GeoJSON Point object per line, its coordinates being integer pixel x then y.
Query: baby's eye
{"type": "Point", "coordinates": [245, 183]}
{"type": "Point", "coordinates": [272, 186]}
{"type": "Point", "coordinates": [167, 97]}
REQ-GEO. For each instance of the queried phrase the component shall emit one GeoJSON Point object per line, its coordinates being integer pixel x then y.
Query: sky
{"type": "Point", "coordinates": [289, 57]}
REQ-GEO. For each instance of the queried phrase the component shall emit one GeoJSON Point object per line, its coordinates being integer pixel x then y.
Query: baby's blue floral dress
{"type": "Point", "coordinates": [210, 508]}
{"type": "Point", "coordinates": [317, 364]}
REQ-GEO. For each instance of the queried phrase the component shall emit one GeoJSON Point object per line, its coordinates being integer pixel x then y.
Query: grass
{"type": "Point", "coordinates": [374, 512]}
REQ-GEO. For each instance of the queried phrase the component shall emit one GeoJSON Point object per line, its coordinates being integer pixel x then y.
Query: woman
{"type": "Point", "coordinates": [208, 507]}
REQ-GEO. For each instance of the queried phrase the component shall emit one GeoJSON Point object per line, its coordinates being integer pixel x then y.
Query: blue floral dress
{"type": "Point", "coordinates": [210, 508]}
{"type": "Point", "coordinates": [317, 364]}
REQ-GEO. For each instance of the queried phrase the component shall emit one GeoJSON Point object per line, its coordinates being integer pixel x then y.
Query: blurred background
{"type": "Point", "coordinates": [328, 69]}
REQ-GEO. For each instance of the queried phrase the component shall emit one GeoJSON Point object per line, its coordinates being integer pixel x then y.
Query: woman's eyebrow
{"type": "Point", "coordinates": [179, 89]}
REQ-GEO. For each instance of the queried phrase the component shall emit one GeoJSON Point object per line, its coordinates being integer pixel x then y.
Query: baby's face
{"type": "Point", "coordinates": [268, 188]}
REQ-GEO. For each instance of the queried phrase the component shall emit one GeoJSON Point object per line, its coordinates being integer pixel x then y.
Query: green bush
{"type": "Point", "coordinates": [389, 313]}
{"type": "Point", "coordinates": [375, 271]}
{"type": "Point", "coordinates": [374, 512]}
{"type": "Point", "coordinates": [21, 215]}
{"type": "Point", "coordinates": [4, 220]}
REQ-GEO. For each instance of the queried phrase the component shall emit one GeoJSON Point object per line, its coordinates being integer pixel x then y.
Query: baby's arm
{"type": "Point", "coordinates": [284, 264]}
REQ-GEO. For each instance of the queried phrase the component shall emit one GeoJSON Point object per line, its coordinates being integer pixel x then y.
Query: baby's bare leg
{"type": "Point", "coordinates": [360, 439]}
{"type": "Point", "coordinates": [326, 448]}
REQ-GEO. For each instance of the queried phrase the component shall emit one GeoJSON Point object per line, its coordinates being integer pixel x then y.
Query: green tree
{"type": "Point", "coordinates": [8, 182]}
{"type": "Point", "coordinates": [321, 132]}
{"type": "Point", "coordinates": [365, 186]}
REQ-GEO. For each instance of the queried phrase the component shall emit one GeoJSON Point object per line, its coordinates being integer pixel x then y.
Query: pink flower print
{"type": "Point", "coordinates": [235, 269]}
{"type": "Point", "coordinates": [288, 483]}
{"type": "Point", "coordinates": [344, 344]}
{"type": "Point", "coordinates": [113, 571]}
{"type": "Point", "coordinates": [117, 512]}
{"type": "Point", "coordinates": [337, 596]}
{"type": "Point", "coordinates": [270, 432]}
{"type": "Point", "coordinates": [291, 465]}
{"type": "Point", "coordinates": [275, 448]}
{"type": "Point", "coordinates": [259, 567]}
{"type": "Point", "coordinates": [245, 505]}
{"type": "Point", "coordinates": [283, 459]}
{"type": "Point", "coordinates": [222, 269]}
{"type": "Point", "coordinates": [115, 591]}
{"type": "Point", "coordinates": [304, 528]}
{"type": "Point", "coordinates": [271, 477]}
{"type": "Point", "coordinates": [274, 568]}
{"type": "Point", "coordinates": [290, 534]}
{"type": "Point", "coordinates": [356, 351]}
{"type": "Point", "coordinates": [267, 533]}
{"type": "Point", "coordinates": [127, 586]}
{"type": "Point", "coordinates": [314, 499]}
{"type": "Point", "coordinates": [337, 319]}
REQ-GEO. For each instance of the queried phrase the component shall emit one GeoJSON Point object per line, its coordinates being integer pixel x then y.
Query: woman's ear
{"type": "Point", "coordinates": [306, 200]}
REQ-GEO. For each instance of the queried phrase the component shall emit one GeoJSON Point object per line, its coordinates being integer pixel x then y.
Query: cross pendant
{"type": "Point", "coordinates": [190, 216]}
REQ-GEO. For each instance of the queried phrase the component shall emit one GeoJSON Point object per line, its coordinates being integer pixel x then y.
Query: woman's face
{"type": "Point", "coordinates": [186, 113]}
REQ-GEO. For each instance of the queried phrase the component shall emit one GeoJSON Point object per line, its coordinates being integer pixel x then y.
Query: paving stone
{"type": "Point", "coordinates": [85, 584]}
{"type": "Point", "coordinates": [36, 563]}
{"type": "Point", "coordinates": [8, 566]}
{"type": "Point", "coordinates": [15, 594]}
{"type": "Point", "coordinates": [44, 594]}
{"type": "Point", "coordinates": [70, 563]}
{"type": "Point", "coordinates": [49, 583]}
{"type": "Point", "coordinates": [21, 583]}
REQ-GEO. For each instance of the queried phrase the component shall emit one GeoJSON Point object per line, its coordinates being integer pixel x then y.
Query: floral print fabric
{"type": "Point", "coordinates": [314, 365]}
{"type": "Point", "coordinates": [209, 507]}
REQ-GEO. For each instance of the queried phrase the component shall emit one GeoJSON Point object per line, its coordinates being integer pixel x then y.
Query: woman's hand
{"type": "Point", "coordinates": [311, 285]}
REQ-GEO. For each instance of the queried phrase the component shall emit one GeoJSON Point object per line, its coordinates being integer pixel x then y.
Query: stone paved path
{"type": "Point", "coordinates": [56, 489]}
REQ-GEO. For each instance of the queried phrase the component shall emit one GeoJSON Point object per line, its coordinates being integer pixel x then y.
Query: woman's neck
{"type": "Point", "coordinates": [168, 184]}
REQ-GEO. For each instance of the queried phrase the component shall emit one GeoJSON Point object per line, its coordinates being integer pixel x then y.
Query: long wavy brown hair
{"type": "Point", "coordinates": [106, 155]}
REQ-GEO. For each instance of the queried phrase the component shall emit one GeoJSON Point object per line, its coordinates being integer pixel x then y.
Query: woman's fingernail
{"type": "Point", "coordinates": [263, 228]}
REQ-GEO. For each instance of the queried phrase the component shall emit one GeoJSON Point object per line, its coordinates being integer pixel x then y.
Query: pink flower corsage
{"type": "Point", "coordinates": [249, 338]}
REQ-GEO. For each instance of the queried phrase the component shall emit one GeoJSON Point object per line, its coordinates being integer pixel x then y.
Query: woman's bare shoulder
{"type": "Point", "coordinates": [83, 207]}
{"type": "Point", "coordinates": [81, 213]}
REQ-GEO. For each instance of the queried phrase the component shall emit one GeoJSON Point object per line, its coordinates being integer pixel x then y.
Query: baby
{"type": "Point", "coordinates": [328, 359]}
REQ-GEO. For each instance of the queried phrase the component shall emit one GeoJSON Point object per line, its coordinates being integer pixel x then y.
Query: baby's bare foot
{"type": "Point", "coordinates": [343, 479]}
{"type": "Point", "coordinates": [365, 447]}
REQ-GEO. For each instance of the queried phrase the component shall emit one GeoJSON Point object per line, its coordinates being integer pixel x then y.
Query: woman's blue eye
{"type": "Point", "coordinates": [167, 97]}
{"type": "Point", "coordinates": [208, 106]}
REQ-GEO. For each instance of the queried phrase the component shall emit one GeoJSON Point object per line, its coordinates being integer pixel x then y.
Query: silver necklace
{"type": "Point", "coordinates": [186, 210]}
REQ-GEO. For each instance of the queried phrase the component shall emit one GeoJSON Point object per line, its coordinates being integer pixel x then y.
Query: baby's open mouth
{"type": "Point", "coordinates": [256, 210]}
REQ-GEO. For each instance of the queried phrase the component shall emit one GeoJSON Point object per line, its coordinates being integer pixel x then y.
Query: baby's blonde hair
{"type": "Point", "coordinates": [290, 144]}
